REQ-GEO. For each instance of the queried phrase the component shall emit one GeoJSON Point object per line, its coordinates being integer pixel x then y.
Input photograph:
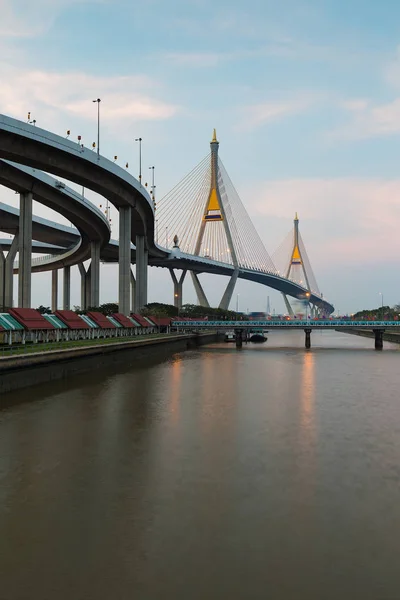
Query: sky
{"type": "Point", "coordinates": [305, 97]}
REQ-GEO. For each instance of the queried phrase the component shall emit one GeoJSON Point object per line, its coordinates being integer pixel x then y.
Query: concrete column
{"type": "Point", "coordinates": [95, 274]}
{"type": "Point", "coordinates": [308, 337]}
{"type": "Point", "coordinates": [54, 290]}
{"type": "Point", "coordinates": [378, 338]}
{"type": "Point", "coordinates": [227, 297]}
{"type": "Point", "coordinates": [201, 297]}
{"type": "Point", "coordinates": [67, 288]}
{"type": "Point", "coordinates": [145, 277]}
{"type": "Point", "coordinates": [8, 272]}
{"type": "Point", "coordinates": [178, 288]}
{"type": "Point", "coordinates": [124, 277]}
{"type": "Point", "coordinates": [2, 278]}
{"type": "Point", "coordinates": [25, 250]}
{"type": "Point", "coordinates": [141, 272]}
{"type": "Point", "coordinates": [239, 338]}
{"type": "Point", "coordinates": [88, 278]}
{"type": "Point", "coordinates": [82, 271]}
{"type": "Point", "coordinates": [133, 292]}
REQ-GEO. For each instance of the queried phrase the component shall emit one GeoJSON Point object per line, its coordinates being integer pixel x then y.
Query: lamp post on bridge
{"type": "Point", "coordinates": [380, 293]}
{"type": "Point", "coordinates": [140, 158]}
{"type": "Point", "coordinates": [98, 126]}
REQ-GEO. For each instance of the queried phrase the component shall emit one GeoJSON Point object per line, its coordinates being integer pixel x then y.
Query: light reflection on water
{"type": "Point", "coordinates": [265, 472]}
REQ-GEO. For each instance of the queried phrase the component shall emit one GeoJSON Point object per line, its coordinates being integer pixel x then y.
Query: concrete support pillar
{"type": "Point", "coordinates": [133, 292]}
{"type": "Point", "coordinates": [178, 288]}
{"type": "Point", "coordinates": [82, 271]}
{"type": "Point", "coordinates": [88, 289]}
{"type": "Point", "coordinates": [239, 338]}
{"type": "Point", "coordinates": [201, 297]}
{"type": "Point", "coordinates": [124, 277]}
{"type": "Point", "coordinates": [67, 288]}
{"type": "Point", "coordinates": [2, 278]}
{"type": "Point", "coordinates": [378, 338]}
{"type": "Point", "coordinates": [8, 273]}
{"type": "Point", "coordinates": [54, 290]}
{"type": "Point", "coordinates": [145, 277]}
{"type": "Point", "coordinates": [227, 297]}
{"type": "Point", "coordinates": [95, 274]}
{"type": "Point", "coordinates": [25, 250]}
{"type": "Point", "coordinates": [307, 331]}
{"type": "Point", "coordinates": [141, 272]}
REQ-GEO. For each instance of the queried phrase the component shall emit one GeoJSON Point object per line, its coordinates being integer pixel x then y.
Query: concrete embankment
{"type": "Point", "coordinates": [387, 336]}
{"type": "Point", "coordinates": [24, 370]}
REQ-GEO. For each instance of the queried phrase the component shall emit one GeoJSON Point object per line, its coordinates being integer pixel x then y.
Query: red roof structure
{"type": "Point", "coordinates": [125, 322]}
{"type": "Point", "coordinates": [141, 320]}
{"type": "Point", "coordinates": [71, 319]}
{"type": "Point", "coordinates": [162, 321]}
{"type": "Point", "coordinates": [30, 318]}
{"type": "Point", "coordinates": [100, 320]}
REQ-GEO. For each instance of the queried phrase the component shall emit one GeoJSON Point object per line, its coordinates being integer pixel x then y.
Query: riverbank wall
{"type": "Point", "coordinates": [25, 370]}
{"type": "Point", "coordinates": [387, 336]}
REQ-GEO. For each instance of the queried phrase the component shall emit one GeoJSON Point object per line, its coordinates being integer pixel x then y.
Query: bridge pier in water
{"type": "Point", "coordinates": [378, 338]}
{"type": "Point", "coordinates": [307, 331]}
{"type": "Point", "coordinates": [239, 338]}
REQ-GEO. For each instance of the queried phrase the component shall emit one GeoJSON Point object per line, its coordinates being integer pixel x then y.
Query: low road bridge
{"type": "Point", "coordinates": [240, 327]}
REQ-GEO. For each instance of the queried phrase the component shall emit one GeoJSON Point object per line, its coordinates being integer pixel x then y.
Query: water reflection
{"type": "Point", "coordinates": [269, 472]}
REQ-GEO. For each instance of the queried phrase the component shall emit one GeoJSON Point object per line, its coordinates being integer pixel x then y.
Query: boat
{"type": "Point", "coordinates": [230, 336]}
{"type": "Point", "coordinates": [257, 338]}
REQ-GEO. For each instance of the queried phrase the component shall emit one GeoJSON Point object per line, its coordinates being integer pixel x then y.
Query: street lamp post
{"type": "Point", "coordinates": [140, 158]}
{"type": "Point", "coordinates": [153, 187]}
{"type": "Point", "coordinates": [237, 303]}
{"type": "Point", "coordinates": [380, 293]}
{"type": "Point", "coordinates": [98, 125]}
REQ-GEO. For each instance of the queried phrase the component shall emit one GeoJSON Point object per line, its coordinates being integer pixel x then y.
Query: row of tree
{"type": "Point", "coordinates": [385, 313]}
{"type": "Point", "coordinates": [158, 309]}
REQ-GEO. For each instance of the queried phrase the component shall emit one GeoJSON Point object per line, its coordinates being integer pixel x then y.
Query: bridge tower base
{"type": "Point", "coordinates": [201, 297]}
{"type": "Point", "coordinates": [227, 297]}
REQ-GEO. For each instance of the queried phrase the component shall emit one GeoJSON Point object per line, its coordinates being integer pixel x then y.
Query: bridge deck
{"type": "Point", "coordinates": [284, 324]}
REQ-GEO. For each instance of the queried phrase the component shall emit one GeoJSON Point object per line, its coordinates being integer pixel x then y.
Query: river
{"type": "Point", "coordinates": [269, 473]}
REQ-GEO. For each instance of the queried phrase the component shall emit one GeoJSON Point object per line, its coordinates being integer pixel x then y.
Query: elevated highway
{"type": "Point", "coordinates": [24, 149]}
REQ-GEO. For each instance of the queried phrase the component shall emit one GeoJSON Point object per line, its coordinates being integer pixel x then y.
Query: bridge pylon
{"type": "Point", "coordinates": [214, 213]}
{"type": "Point", "coordinates": [299, 268]}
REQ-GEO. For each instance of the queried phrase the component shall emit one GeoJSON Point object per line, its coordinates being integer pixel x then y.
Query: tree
{"type": "Point", "coordinates": [158, 309]}
{"type": "Point", "coordinates": [44, 310]}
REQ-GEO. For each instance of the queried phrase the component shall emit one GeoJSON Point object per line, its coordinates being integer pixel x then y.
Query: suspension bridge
{"type": "Point", "coordinates": [200, 226]}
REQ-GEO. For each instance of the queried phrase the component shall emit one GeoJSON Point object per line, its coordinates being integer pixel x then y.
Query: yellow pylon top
{"type": "Point", "coordinates": [296, 218]}
{"type": "Point", "coordinates": [214, 137]}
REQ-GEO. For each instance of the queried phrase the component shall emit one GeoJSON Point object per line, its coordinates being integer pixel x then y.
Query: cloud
{"type": "Point", "coordinates": [71, 93]}
{"type": "Point", "coordinates": [368, 120]}
{"type": "Point", "coordinates": [256, 115]}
